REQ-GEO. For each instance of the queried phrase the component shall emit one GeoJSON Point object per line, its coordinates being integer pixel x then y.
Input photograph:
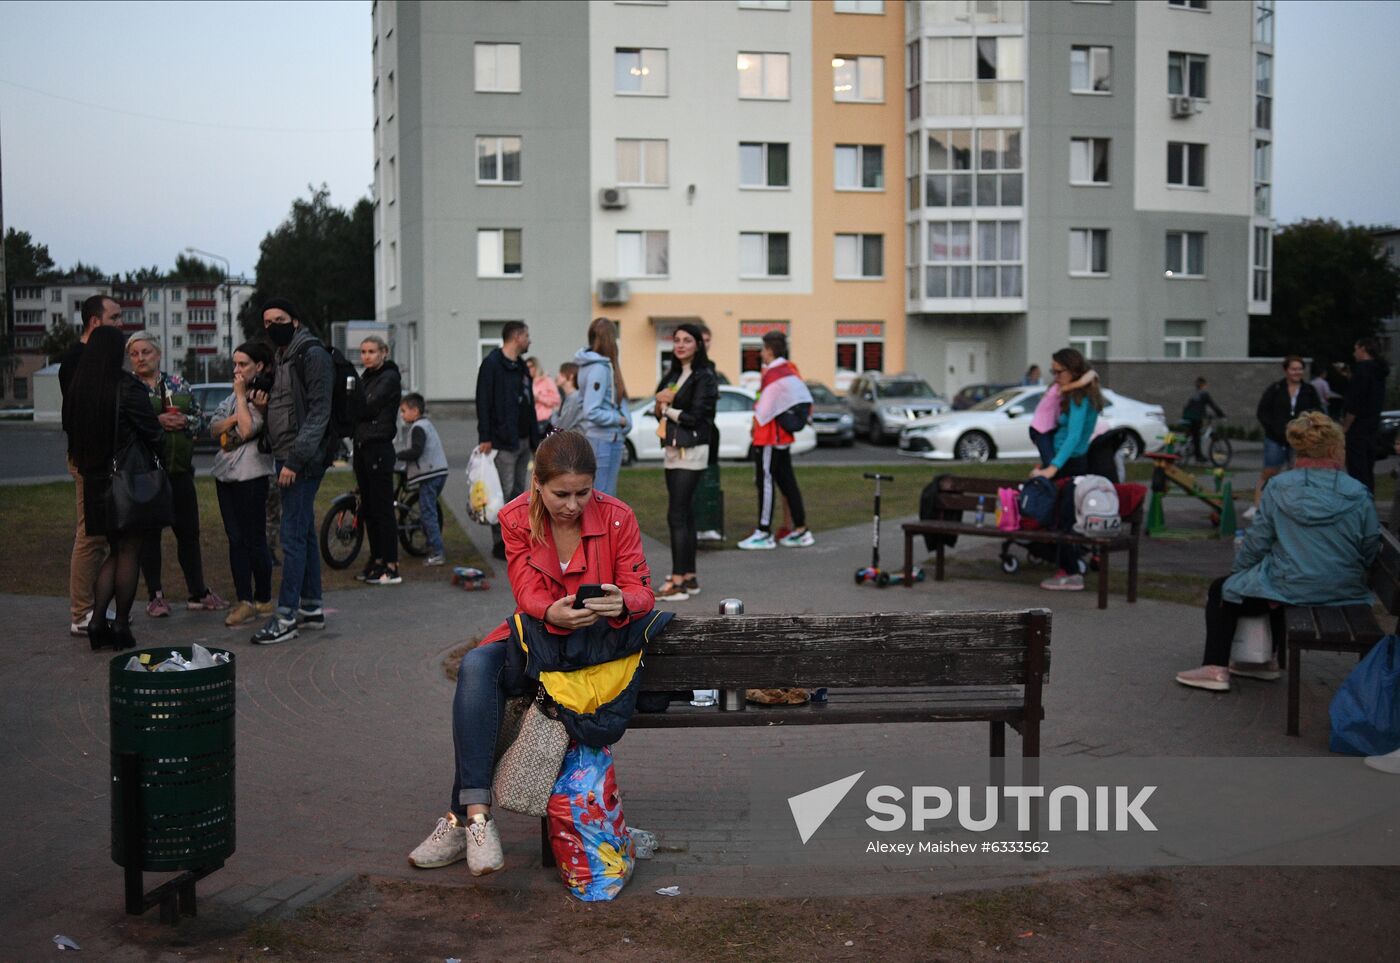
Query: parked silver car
{"type": "Point", "coordinates": [883, 405]}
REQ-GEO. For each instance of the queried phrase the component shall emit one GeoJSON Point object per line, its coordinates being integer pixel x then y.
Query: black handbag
{"type": "Point", "coordinates": [138, 497]}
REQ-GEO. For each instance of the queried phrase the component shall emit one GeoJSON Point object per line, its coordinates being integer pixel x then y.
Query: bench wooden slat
{"type": "Point", "coordinates": [1020, 535]}
{"type": "Point", "coordinates": [842, 667]}
{"type": "Point", "coordinates": [1299, 625]}
{"type": "Point", "coordinates": [1362, 623]}
{"type": "Point", "coordinates": [916, 631]}
{"type": "Point", "coordinates": [1331, 624]}
{"type": "Point", "coordinates": [819, 714]}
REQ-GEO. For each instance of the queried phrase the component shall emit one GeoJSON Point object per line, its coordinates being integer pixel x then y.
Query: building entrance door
{"type": "Point", "coordinates": [967, 365]}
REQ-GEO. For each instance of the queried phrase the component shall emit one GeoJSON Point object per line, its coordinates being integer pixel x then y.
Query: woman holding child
{"type": "Point", "coordinates": [562, 534]}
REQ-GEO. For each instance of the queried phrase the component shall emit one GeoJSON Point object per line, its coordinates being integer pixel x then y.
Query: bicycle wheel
{"type": "Point", "coordinates": [411, 535]}
{"type": "Point", "coordinates": [1220, 451]}
{"type": "Point", "coordinates": [341, 533]}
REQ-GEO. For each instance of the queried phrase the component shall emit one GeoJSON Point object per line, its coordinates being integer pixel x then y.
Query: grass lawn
{"type": "Point", "coordinates": [43, 518]}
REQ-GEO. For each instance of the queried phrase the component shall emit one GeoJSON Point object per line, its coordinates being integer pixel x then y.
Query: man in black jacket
{"type": "Point", "coordinates": [505, 416]}
{"type": "Point", "coordinates": [1365, 398]}
{"type": "Point", "coordinates": [1281, 402]}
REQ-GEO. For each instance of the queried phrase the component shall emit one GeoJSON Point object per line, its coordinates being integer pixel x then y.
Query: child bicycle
{"type": "Point", "coordinates": [1215, 449]}
{"type": "Point", "coordinates": [343, 527]}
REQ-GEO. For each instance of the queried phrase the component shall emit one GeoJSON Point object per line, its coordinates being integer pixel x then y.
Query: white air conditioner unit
{"type": "Point", "coordinates": [1183, 106]}
{"type": "Point", "coordinates": [612, 198]}
{"type": "Point", "coordinates": [613, 291]}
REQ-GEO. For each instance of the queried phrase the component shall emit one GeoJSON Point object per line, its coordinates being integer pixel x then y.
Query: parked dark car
{"type": "Point", "coordinates": [1385, 438]}
{"type": "Point", "coordinates": [831, 416]}
{"type": "Point", "coordinates": [209, 396]}
{"type": "Point", "coordinates": [973, 394]}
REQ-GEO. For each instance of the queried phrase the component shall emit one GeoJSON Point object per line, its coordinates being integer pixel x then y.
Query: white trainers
{"type": "Point", "coordinates": [709, 535]}
{"type": "Point", "coordinates": [1250, 512]}
{"type": "Point", "coordinates": [758, 540]}
{"type": "Point", "coordinates": [798, 540]}
{"type": "Point", "coordinates": [79, 628]}
{"type": "Point", "coordinates": [1063, 582]}
{"type": "Point", "coordinates": [1390, 762]}
{"type": "Point", "coordinates": [483, 846]}
{"type": "Point", "coordinates": [445, 845]}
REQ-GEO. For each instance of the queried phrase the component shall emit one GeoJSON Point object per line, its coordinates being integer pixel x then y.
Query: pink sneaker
{"type": "Point", "coordinates": [1216, 678]}
{"type": "Point", "coordinates": [210, 602]}
{"type": "Point", "coordinates": [158, 607]}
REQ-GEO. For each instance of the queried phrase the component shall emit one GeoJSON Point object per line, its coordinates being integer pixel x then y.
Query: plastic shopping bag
{"type": "Point", "coordinates": [485, 498]}
{"type": "Point", "coordinates": [589, 838]}
{"type": "Point", "coordinates": [1254, 640]}
{"type": "Point", "coordinates": [1010, 501]}
{"type": "Point", "coordinates": [1366, 710]}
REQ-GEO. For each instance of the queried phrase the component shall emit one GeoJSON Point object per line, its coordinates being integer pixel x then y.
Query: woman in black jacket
{"type": "Point", "coordinates": [374, 460]}
{"type": "Point", "coordinates": [107, 409]}
{"type": "Point", "coordinates": [685, 407]}
{"type": "Point", "coordinates": [1281, 402]}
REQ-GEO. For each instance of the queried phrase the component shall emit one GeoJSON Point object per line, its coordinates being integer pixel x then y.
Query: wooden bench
{"type": "Point", "coordinates": [879, 669]}
{"type": "Point", "coordinates": [1339, 628]}
{"type": "Point", "coordinates": [961, 494]}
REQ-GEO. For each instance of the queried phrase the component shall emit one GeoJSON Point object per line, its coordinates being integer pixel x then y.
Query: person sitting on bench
{"type": "Point", "coordinates": [1311, 543]}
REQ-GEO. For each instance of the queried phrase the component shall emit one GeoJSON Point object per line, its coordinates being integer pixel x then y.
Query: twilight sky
{"type": "Point", "coordinates": [129, 131]}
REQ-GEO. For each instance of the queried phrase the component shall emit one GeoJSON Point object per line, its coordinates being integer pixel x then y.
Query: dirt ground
{"type": "Point", "coordinates": [1203, 913]}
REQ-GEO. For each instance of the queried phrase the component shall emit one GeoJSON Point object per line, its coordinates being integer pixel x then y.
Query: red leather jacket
{"type": "Point", "coordinates": [610, 551]}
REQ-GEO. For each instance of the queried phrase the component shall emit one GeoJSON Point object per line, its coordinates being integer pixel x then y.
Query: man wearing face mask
{"type": "Point", "coordinates": [298, 428]}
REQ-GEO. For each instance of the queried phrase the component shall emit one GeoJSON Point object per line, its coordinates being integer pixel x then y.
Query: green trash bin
{"type": "Point", "coordinates": [172, 746]}
{"type": "Point", "coordinates": [709, 502]}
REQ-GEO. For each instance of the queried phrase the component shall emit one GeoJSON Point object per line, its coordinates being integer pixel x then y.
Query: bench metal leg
{"type": "Point", "coordinates": [1295, 672]}
{"type": "Point", "coordinates": [1132, 571]}
{"type": "Point", "coordinates": [1030, 738]}
{"type": "Point", "coordinates": [998, 747]}
{"type": "Point", "coordinates": [908, 559]}
{"type": "Point", "coordinates": [1104, 556]}
{"type": "Point", "coordinates": [546, 851]}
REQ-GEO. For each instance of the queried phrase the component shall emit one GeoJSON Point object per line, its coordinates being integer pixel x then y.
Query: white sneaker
{"type": "Point", "coordinates": [795, 540]}
{"type": "Point", "coordinates": [484, 846]}
{"type": "Point", "coordinates": [1062, 582]}
{"type": "Point", "coordinates": [758, 540]}
{"type": "Point", "coordinates": [435, 560]}
{"type": "Point", "coordinates": [1390, 762]}
{"type": "Point", "coordinates": [709, 535]}
{"type": "Point", "coordinates": [1250, 512]}
{"type": "Point", "coordinates": [445, 845]}
{"type": "Point", "coordinates": [79, 628]}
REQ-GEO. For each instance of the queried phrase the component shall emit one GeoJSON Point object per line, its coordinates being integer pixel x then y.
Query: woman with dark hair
{"type": "Point", "coordinates": [241, 472]}
{"type": "Point", "coordinates": [108, 409]}
{"type": "Point", "coordinates": [1080, 405]}
{"type": "Point", "coordinates": [563, 533]}
{"type": "Point", "coordinates": [374, 459]}
{"type": "Point", "coordinates": [685, 406]}
{"type": "Point", "coordinates": [605, 417]}
{"type": "Point", "coordinates": [1281, 402]}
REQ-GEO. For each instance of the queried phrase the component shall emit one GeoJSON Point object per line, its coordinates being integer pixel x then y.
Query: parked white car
{"type": "Point", "coordinates": [733, 417]}
{"type": "Point", "coordinates": [999, 427]}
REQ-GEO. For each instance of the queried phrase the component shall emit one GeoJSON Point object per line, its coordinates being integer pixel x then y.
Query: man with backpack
{"type": "Point", "coordinates": [301, 431]}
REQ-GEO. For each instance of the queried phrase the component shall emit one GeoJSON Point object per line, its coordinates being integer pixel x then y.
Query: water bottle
{"type": "Point", "coordinates": [981, 517]}
{"type": "Point", "coordinates": [1239, 539]}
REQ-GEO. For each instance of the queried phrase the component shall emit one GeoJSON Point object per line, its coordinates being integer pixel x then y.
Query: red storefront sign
{"type": "Point", "coordinates": [757, 329]}
{"type": "Point", "coordinates": [860, 329]}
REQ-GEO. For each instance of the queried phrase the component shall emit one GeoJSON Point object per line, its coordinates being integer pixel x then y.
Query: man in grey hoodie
{"type": "Point", "coordinates": [298, 429]}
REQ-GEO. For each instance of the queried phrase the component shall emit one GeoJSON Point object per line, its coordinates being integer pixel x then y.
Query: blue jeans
{"type": "Point", "coordinates": [607, 448]}
{"type": "Point", "coordinates": [476, 720]}
{"type": "Point", "coordinates": [301, 556]}
{"type": "Point", "coordinates": [1044, 442]}
{"type": "Point", "coordinates": [428, 494]}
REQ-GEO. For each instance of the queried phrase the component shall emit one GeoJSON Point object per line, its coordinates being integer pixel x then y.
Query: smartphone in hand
{"type": "Point", "coordinates": [586, 592]}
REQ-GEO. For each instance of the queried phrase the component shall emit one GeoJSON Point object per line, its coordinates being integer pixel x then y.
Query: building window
{"type": "Point", "coordinates": [1186, 164]}
{"type": "Point", "coordinates": [58, 318]}
{"type": "Point", "coordinates": [764, 4]}
{"type": "Point", "coordinates": [1184, 339]}
{"type": "Point", "coordinates": [860, 346]}
{"type": "Point", "coordinates": [1264, 91]}
{"type": "Point", "coordinates": [1186, 74]}
{"type": "Point", "coordinates": [1189, 4]}
{"type": "Point", "coordinates": [999, 58]}
{"type": "Point", "coordinates": [860, 256]}
{"type": "Point", "coordinates": [763, 255]}
{"type": "Point", "coordinates": [1089, 336]}
{"type": "Point", "coordinates": [998, 259]}
{"type": "Point", "coordinates": [1088, 251]}
{"type": "Point", "coordinates": [949, 256]}
{"type": "Point", "coordinates": [152, 317]}
{"type": "Point", "coordinates": [858, 78]}
{"type": "Point", "coordinates": [1264, 22]}
{"type": "Point", "coordinates": [497, 160]}
{"type": "Point", "coordinates": [639, 71]}
{"type": "Point", "coordinates": [177, 341]}
{"type": "Point", "coordinates": [643, 254]}
{"type": "Point", "coordinates": [392, 187]}
{"type": "Point", "coordinates": [498, 68]}
{"type": "Point", "coordinates": [763, 165]}
{"type": "Point", "coordinates": [859, 6]}
{"type": "Point", "coordinates": [176, 318]}
{"type": "Point", "coordinates": [497, 253]}
{"type": "Point", "coordinates": [1263, 241]}
{"type": "Point", "coordinates": [981, 76]}
{"type": "Point", "coordinates": [642, 163]}
{"type": "Point", "coordinates": [860, 167]}
{"type": "Point", "coordinates": [176, 294]}
{"type": "Point", "coordinates": [1186, 254]}
{"type": "Point", "coordinates": [763, 76]}
{"type": "Point", "coordinates": [488, 337]}
{"type": "Point", "coordinates": [1088, 160]}
{"type": "Point", "coordinates": [1263, 176]}
{"type": "Point", "coordinates": [1091, 70]}
{"type": "Point", "coordinates": [997, 160]}
{"type": "Point", "coordinates": [392, 267]}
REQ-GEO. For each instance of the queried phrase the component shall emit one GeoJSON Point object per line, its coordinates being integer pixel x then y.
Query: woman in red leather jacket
{"type": "Point", "coordinates": [559, 535]}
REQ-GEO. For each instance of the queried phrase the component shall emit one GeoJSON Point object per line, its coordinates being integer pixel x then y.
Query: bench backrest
{"type": "Point", "coordinates": [960, 492]}
{"type": "Point", "coordinates": [899, 649]}
{"type": "Point", "coordinates": [1384, 576]}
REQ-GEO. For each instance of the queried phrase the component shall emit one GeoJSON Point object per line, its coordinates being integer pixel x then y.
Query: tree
{"type": "Point", "coordinates": [59, 338]}
{"type": "Point", "coordinates": [1332, 285]}
{"type": "Point", "coordinates": [145, 275]}
{"type": "Point", "coordinates": [26, 260]}
{"type": "Point", "coordinates": [322, 259]}
{"type": "Point", "coordinates": [195, 269]}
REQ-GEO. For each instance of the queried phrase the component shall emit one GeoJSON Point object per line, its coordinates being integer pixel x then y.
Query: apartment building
{"type": "Point", "coordinates": [955, 187]}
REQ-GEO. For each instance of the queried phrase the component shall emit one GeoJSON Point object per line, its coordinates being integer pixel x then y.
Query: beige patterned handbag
{"type": "Point", "coordinates": [528, 768]}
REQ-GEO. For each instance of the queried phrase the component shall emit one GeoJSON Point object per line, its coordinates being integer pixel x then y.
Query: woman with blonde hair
{"type": "Point", "coordinates": [1314, 537]}
{"type": "Point", "coordinates": [605, 417]}
{"type": "Point", "coordinates": [560, 535]}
